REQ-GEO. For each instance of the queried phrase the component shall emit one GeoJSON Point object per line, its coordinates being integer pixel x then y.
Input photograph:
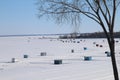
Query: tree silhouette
{"type": "Point", "coordinates": [101, 11]}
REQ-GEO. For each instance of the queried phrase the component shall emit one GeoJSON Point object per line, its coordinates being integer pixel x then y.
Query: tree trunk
{"type": "Point", "coordinates": [113, 59]}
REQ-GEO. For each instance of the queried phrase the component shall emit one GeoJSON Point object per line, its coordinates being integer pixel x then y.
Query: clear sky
{"type": "Point", "coordinates": [20, 17]}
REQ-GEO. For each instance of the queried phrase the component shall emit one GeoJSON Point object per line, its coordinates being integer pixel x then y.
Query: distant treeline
{"type": "Point", "coordinates": [98, 35]}
{"type": "Point", "coordinates": [91, 35]}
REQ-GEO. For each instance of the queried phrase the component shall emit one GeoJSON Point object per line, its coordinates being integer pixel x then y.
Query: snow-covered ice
{"type": "Point", "coordinates": [73, 66]}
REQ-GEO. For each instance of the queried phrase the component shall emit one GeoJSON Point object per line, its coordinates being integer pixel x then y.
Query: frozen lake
{"type": "Point", "coordinates": [71, 52]}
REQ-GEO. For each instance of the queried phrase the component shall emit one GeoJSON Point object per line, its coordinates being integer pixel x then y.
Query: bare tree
{"type": "Point", "coordinates": [101, 11]}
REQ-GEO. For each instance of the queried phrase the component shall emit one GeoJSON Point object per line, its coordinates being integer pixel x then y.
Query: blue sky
{"type": "Point", "coordinates": [20, 17]}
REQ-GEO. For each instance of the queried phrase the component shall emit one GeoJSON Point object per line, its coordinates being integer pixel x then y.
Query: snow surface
{"type": "Point", "coordinates": [37, 67]}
